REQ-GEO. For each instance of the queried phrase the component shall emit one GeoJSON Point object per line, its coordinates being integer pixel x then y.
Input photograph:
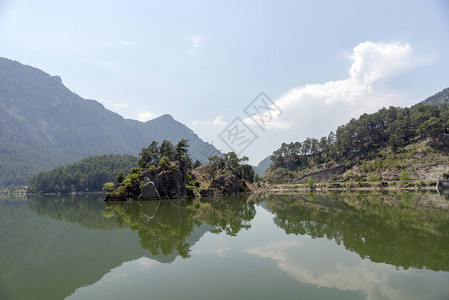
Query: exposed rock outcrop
{"type": "Point", "coordinates": [228, 182]}
{"type": "Point", "coordinates": [170, 184]}
{"type": "Point", "coordinates": [164, 182]}
{"type": "Point", "coordinates": [148, 190]}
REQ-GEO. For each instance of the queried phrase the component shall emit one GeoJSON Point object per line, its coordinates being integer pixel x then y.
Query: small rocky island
{"type": "Point", "coordinates": [166, 172]}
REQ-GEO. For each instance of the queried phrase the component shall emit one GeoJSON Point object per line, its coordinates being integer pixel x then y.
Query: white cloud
{"type": "Point", "coordinates": [126, 43]}
{"type": "Point", "coordinates": [119, 106]}
{"type": "Point", "coordinates": [146, 116]}
{"type": "Point", "coordinates": [362, 91]}
{"type": "Point", "coordinates": [196, 41]}
{"type": "Point", "coordinates": [218, 121]}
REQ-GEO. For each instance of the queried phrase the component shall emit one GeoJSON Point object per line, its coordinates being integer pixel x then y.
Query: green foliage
{"type": "Point", "coordinates": [363, 139]}
{"type": "Point", "coordinates": [404, 175]}
{"type": "Point", "coordinates": [149, 155]}
{"type": "Point", "coordinates": [196, 164]}
{"type": "Point", "coordinates": [87, 175]}
{"type": "Point", "coordinates": [213, 166]}
{"type": "Point", "coordinates": [334, 185]}
{"type": "Point", "coordinates": [247, 173]}
{"type": "Point", "coordinates": [134, 171]}
{"type": "Point", "coordinates": [120, 176]}
{"type": "Point", "coordinates": [432, 127]}
{"type": "Point", "coordinates": [310, 182]}
{"type": "Point", "coordinates": [153, 160]}
{"type": "Point", "coordinates": [372, 177]}
{"type": "Point", "coordinates": [166, 149]}
{"type": "Point", "coordinates": [231, 161]}
{"type": "Point", "coordinates": [108, 186]}
{"type": "Point", "coordinates": [181, 148]}
{"type": "Point", "coordinates": [164, 163]}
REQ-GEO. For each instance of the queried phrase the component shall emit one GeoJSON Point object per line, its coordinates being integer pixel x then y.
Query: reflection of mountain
{"type": "Point", "coordinates": [53, 245]}
{"type": "Point", "coordinates": [84, 210]}
{"type": "Point", "coordinates": [42, 258]}
{"type": "Point", "coordinates": [383, 228]}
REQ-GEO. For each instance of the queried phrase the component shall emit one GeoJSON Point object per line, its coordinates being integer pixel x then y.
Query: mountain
{"type": "Point", "coordinates": [438, 99]}
{"type": "Point", "coordinates": [43, 124]}
{"type": "Point", "coordinates": [263, 166]}
{"type": "Point", "coordinates": [392, 144]}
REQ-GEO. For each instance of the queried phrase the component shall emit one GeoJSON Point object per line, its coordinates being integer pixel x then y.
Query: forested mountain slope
{"type": "Point", "coordinates": [43, 124]}
{"type": "Point", "coordinates": [379, 145]}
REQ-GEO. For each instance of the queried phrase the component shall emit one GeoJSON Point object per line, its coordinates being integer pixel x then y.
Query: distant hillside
{"type": "Point", "coordinates": [263, 166]}
{"type": "Point", "coordinates": [87, 175]}
{"type": "Point", "coordinates": [438, 99]}
{"type": "Point", "coordinates": [43, 124]}
{"type": "Point", "coordinates": [390, 144]}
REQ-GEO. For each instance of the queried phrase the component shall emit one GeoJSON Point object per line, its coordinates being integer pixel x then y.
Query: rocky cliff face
{"type": "Point", "coordinates": [227, 182]}
{"type": "Point", "coordinates": [169, 183]}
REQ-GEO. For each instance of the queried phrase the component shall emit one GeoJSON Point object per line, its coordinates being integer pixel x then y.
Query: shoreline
{"type": "Point", "coordinates": [288, 187]}
{"type": "Point", "coordinates": [351, 186]}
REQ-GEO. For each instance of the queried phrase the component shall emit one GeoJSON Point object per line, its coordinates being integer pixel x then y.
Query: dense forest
{"type": "Point", "coordinates": [363, 138]}
{"type": "Point", "coordinates": [87, 175]}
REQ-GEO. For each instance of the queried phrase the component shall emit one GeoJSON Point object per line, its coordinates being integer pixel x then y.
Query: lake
{"type": "Point", "coordinates": [291, 246]}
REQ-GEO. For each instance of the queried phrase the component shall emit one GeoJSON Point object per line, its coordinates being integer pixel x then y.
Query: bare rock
{"type": "Point", "coordinates": [148, 190]}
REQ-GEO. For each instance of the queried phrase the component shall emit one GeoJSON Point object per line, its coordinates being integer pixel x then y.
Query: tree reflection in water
{"type": "Point", "coordinates": [164, 226]}
{"type": "Point", "coordinates": [406, 230]}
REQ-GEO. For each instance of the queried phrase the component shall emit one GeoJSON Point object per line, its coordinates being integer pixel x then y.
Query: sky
{"type": "Point", "coordinates": [317, 63]}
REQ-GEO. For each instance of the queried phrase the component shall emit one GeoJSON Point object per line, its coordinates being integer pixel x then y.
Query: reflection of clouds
{"type": "Point", "coordinates": [145, 262]}
{"type": "Point", "coordinates": [222, 252]}
{"type": "Point", "coordinates": [313, 265]}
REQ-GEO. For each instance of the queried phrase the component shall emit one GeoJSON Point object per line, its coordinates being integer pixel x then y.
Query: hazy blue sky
{"type": "Point", "coordinates": [203, 62]}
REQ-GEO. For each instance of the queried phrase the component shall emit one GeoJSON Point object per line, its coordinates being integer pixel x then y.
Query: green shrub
{"type": "Point", "coordinates": [334, 185]}
{"type": "Point", "coordinates": [350, 184]}
{"type": "Point", "coordinates": [127, 183]}
{"type": "Point", "coordinates": [133, 177]}
{"type": "Point", "coordinates": [310, 182]}
{"type": "Point", "coordinates": [134, 171]}
{"type": "Point", "coordinates": [108, 186]}
{"type": "Point", "coordinates": [164, 162]}
{"type": "Point", "coordinates": [372, 177]}
{"type": "Point", "coordinates": [404, 175]}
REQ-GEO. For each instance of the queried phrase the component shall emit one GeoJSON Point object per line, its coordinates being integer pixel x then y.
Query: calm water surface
{"type": "Point", "coordinates": [302, 246]}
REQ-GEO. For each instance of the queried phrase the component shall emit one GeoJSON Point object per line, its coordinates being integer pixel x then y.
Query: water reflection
{"type": "Point", "coordinates": [406, 230]}
{"type": "Point", "coordinates": [58, 244]}
{"type": "Point", "coordinates": [45, 256]}
{"type": "Point", "coordinates": [84, 210]}
{"type": "Point", "coordinates": [165, 226]}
